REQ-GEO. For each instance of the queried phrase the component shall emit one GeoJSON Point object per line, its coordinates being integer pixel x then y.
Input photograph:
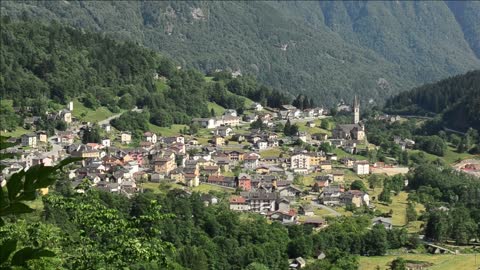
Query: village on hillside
{"type": "Point", "coordinates": [288, 176]}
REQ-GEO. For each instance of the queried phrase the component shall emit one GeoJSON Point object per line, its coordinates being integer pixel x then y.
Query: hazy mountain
{"type": "Point", "coordinates": [328, 50]}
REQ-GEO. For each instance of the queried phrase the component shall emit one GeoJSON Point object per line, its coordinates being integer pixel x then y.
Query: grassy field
{"type": "Point", "coordinates": [398, 206]}
{"type": "Point", "coordinates": [165, 131]}
{"type": "Point", "coordinates": [90, 115]}
{"type": "Point", "coordinates": [208, 79]}
{"type": "Point", "coordinates": [161, 86]}
{"type": "Point", "coordinates": [160, 187]}
{"type": "Point", "coordinates": [16, 133]}
{"type": "Point", "coordinates": [219, 110]}
{"type": "Point", "coordinates": [341, 154]}
{"type": "Point", "coordinates": [451, 156]}
{"type": "Point", "coordinates": [204, 188]}
{"type": "Point", "coordinates": [440, 262]}
{"type": "Point", "coordinates": [272, 152]}
{"type": "Point", "coordinates": [312, 130]}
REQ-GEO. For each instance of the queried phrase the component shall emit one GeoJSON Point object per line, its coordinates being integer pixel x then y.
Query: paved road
{"type": "Point", "coordinates": [55, 146]}
{"type": "Point", "coordinates": [107, 121]}
{"type": "Point", "coordinates": [331, 210]}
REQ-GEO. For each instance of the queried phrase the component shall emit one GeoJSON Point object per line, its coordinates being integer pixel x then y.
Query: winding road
{"type": "Point", "coordinates": [331, 210]}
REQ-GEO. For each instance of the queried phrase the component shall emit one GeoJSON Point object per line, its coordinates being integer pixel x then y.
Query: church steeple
{"type": "Point", "coordinates": [356, 110]}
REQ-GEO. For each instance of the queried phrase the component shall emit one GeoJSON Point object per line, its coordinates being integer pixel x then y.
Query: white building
{"type": "Point", "coordinates": [106, 142]}
{"type": "Point", "coordinates": [300, 161]}
{"type": "Point", "coordinates": [257, 106]}
{"type": "Point", "coordinates": [29, 140]}
{"type": "Point", "coordinates": [361, 167]}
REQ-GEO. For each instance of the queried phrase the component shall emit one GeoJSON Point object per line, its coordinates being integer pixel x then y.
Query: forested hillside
{"type": "Point", "coordinates": [328, 50]}
{"type": "Point", "coordinates": [456, 98]}
{"type": "Point", "coordinates": [45, 63]}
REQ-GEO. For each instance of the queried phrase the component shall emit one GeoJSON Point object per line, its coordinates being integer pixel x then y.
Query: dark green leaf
{"type": "Point", "coordinates": [16, 208]}
{"type": "Point", "coordinates": [21, 257]}
{"type": "Point", "coordinates": [6, 249]}
{"type": "Point", "coordinates": [44, 253]}
{"type": "Point", "coordinates": [28, 196]}
{"type": "Point", "coordinates": [14, 184]}
{"type": "Point", "coordinates": [30, 175]}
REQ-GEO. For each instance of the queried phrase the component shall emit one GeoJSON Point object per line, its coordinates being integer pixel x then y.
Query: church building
{"type": "Point", "coordinates": [354, 131]}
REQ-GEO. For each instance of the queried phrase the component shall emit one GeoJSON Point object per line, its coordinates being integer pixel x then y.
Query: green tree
{"type": "Point", "coordinates": [358, 185]}
{"type": "Point", "coordinates": [398, 264]}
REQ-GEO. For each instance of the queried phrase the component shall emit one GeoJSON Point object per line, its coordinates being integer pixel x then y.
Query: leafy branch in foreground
{"type": "Point", "coordinates": [20, 188]}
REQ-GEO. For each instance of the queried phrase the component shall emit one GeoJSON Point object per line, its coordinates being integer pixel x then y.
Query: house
{"type": "Point", "coordinates": [209, 170]}
{"type": "Point", "coordinates": [235, 155]}
{"type": "Point", "coordinates": [106, 142]}
{"type": "Point", "coordinates": [310, 124]}
{"type": "Point", "coordinates": [256, 106]}
{"type": "Point", "coordinates": [107, 127]}
{"type": "Point", "coordinates": [126, 137]}
{"type": "Point", "coordinates": [288, 107]}
{"type": "Point", "coordinates": [29, 140]}
{"type": "Point", "coordinates": [218, 140]}
{"type": "Point", "coordinates": [316, 158]}
{"type": "Point", "coordinates": [349, 132]}
{"type": "Point", "coordinates": [290, 191]}
{"type": "Point", "coordinates": [386, 222]}
{"type": "Point", "coordinates": [205, 122]}
{"type": "Point", "coordinates": [298, 263]}
{"type": "Point", "coordinates": [251, 161]}
{"type": "Point", "coordinates": [250, 118]}
{"type": "Point", "coordinates": [42, 136]}
{"type": "Point", "coordinates": [150, 137]}
{"type": "Point", "coordinates": [320, 136]}
{"type": "Point", "coordinates": [218, 179]}
{"type": "Point", "coordinates": [223, 131]}
{"type": "Point", "coordinates": [260, 201]}
{"type": "Point", "coordinates": [300, 161]}
{"type": "Point", "coordinates": [239, 203]}
{"type": "Point", "coordinates": [361, 167]}
{"type": "Point", "coordinates": [262, 145]}
{"type": "Point", "coordinates": [331, 195]}
{"type": "Point", "coordinates": [228, 120]}
{"type": "Point", "coordinates": [283, 205]}
{"type": "Point", "coordinates": [325, 165]}
{"type": "Point", "coordinates": [230, 112]}
{"type": "Point", "coordinates": [164, 164]}
{"type": "Point", "coordinates": [356, 198]}
{"type": "Point", "coordinates": [338, 176]}
{"type": "Point", "coordinates": [285, 217]}
{"type": "Point", "coordinates": [348, 162]}
{"type": "Point", "coordinates": [192, 180]}
{"type": "Point", "coordinates": [306, 210]}
{"type": "Point", "coordinates": [244, 182]}
{"type": "Point", "coordinates": [316, 222]}
{"type": "Point", "coordinates": [209, 199]}
{"type": "Point", "coordinates": [66, 116]}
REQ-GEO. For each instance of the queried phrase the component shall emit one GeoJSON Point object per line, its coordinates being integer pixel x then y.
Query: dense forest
{"type": "Point", "coordinates": [45, 63]}
{"type": "Point", "coordinates": [327, 50]}
{"type": "Point", "coordinates": [456, 98]}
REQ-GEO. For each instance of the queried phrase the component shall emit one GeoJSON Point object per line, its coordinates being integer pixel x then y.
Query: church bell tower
{"type": "Point", "coordinates": [356, 110]}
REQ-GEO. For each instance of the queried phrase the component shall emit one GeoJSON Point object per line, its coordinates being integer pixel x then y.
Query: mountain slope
{"type": "Point", "coordinates": [328, 50]}
{"type": "Point", "coordinates": [44, 63]}
{"type": "Point", "coordinates": [457, 99]}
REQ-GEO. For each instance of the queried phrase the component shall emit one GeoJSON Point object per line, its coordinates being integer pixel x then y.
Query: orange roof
{"type": "Point", "coordinates": [237, 199]}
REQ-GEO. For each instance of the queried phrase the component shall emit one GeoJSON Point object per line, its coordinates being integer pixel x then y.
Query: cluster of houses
{"type": "Point", "coordinates": [265, 182]}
